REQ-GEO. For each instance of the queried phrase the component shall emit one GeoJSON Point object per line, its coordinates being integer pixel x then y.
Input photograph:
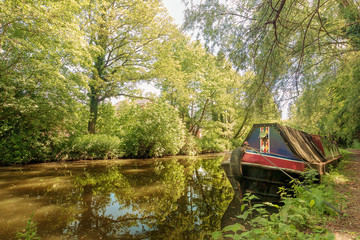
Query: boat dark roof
{"type": "Point", "coordinates": [301, 144]}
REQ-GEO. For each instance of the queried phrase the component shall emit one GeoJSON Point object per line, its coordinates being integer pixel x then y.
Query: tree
{"type": "Point", "coordinates": [350, 11]}
{"type": "Point", "coordinates": [271, 37]}
{"type": "Point", "coordinates": [189, 79]}
{"type": "Point", "coordinates": [122, 36]}
{"type": "Point", "coordinates": [331, 108]}
{"type": "Point", "coordinates": [40, 46]}
{"type": "Point", "coordinates": [206, 90]}
{"type": "Point", "coordinates": [289, 45]}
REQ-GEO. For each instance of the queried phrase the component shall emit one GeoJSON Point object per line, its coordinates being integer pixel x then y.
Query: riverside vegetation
{"type": "Point", "coordinates": [304, 215]}
{"type": "Point", "coordinates": [61, 63]}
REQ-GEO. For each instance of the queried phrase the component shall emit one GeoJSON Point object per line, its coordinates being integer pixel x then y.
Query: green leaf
{"type": "Point", "coordinates": [243, 206]}
{"type": "Point", "coordinates": [216, 235]}
{"type": "Point", "coordinates": [235, 227]}
{"type": "Point", "coordinates": [312, 203]}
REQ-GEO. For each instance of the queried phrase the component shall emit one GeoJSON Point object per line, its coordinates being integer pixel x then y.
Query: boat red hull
{"type": "Point", "coordinates": [273, 161]}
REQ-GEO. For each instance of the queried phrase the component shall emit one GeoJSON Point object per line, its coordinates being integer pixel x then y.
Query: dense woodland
{"type": "Point", "coordinates": [61, 62]}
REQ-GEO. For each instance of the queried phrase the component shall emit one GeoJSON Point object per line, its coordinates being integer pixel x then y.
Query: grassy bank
{"type": "Point", "coordinates": [346, 182]}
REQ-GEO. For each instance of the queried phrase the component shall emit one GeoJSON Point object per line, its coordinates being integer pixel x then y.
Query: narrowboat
{"type": "Point", "coordinates": [273, 154]}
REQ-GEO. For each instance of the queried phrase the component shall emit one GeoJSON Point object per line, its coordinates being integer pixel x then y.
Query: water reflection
{"type": "Point", "coordinates": [230, 216]}
{"type": "Point", "coordinates": [122, 199]}
{"type": "Point", "coordinates": [233, 210]}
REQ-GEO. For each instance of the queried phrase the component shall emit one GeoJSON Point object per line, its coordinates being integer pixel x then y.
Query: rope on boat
{"type": "Point", "coordinates": [294, 179]}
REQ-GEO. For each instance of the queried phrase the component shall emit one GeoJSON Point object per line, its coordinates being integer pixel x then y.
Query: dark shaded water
{"type": "Point", "coordinates": [116, 199]}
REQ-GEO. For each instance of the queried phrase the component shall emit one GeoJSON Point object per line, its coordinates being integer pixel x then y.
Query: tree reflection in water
{"type": "Point", "coordinates": [162, 199]}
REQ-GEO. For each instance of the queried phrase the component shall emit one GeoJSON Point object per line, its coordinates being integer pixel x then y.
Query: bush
{"type": "Point", "coordinates": [30, 147]}
{"type": "Point", "coordinates": [356, 144]}
{"type": "Point", "coordinates": [296, 219]}
{"type": "Point", "coordinates": [213, 143]}
{"type": "Point", "coordinates": [152, 131]}
{"type": "Point", "coordinates": [106, 122]}
{"type": "Point", "coordinates": [190, 145]}
{"type": "Point", "coordinates": [36, 130]}
{"type": "Point", "coordinates": [30, 232]}
{"type": "Point", "coordinates": [301, 217]}
{"type": "Point", "coordinates": [95, 146]}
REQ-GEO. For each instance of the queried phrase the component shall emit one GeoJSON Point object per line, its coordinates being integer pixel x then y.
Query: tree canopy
{"type": "Point", "coordinates": [39, 44]}
{"type": "Point", "coordinates": [290, 45]}
{"type": "Point", "coordinates": [62, 62]}
{"type": "Point", "coordinates": [121, 36]}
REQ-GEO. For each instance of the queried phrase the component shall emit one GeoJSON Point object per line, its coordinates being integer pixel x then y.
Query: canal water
{"type": "Point", "coordinates": [168, 198]}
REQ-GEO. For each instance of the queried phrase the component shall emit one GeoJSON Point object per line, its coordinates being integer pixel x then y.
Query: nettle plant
{"type": "Point", "coordinates": [300, 215]}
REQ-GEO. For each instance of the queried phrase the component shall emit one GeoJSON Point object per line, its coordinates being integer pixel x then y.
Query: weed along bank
{"type": "Point", "coordinates": [272, 155]}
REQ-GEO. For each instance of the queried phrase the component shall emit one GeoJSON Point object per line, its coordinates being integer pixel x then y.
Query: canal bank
{"type": "Point", "coordinates": [314, 212]}
{"type": "Point", "coordinates": [347, 186]}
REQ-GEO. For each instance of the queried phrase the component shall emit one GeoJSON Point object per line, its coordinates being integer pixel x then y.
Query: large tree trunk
{"type": "Point", "coordinates": [94, 103]}
{"type": "Point", "coordinates": [94, 94]}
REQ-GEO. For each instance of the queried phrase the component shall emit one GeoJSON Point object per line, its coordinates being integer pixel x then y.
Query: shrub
{"type": "Point", "coordinates": [152, 131]}
{"type": "Point", "coordinates": [356, 144]}
{"type": "Point", "coordinates": [295, 220]}
{"type": "Point", "coordinates": [106, 122]}
{"type": "Point", "coordinates": [301, 217]}
{"type": "Point", "coordinates": [37, 131]}
{"type": "Point", "coordinates": [213, 143]}
{"type": "Point", "coordinates": [190, 145]}
{"type": "Point", "coordinates": [27, 146]}
{"type": "Point", "coordinates": [95, 146]}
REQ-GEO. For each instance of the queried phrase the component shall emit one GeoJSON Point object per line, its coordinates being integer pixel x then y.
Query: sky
{"type": "Point", "coordinates": [176, 10]}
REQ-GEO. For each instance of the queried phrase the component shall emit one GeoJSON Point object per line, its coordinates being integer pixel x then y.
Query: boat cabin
{"type": "Point", "coordinates": [272, 152]}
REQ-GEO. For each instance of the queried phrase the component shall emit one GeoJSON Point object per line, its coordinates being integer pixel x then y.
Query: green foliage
{"type": "Point", "coordinates": [107, 121]}
{"type": "Point", "coordinates": [37, 136]}
{"type": "Point", "coordinates": [309, 177]}
{"type": "Point", "coordinates": [40, 40]}
{"type": "Point", "coordinates": [273, 42]}
{"type": "Point", "coordinates": [349, 10]}
{"type": "Point", "coordinates": [303, 51]}
{"type": "Point", "coordinates": [299, 217]}
{"type": "Point", "coordinates": [121, 48]}
{"type": "Point", "coordinates": [95, 146]}
{"type": "Point", "coordinates": [154, 130]}
{"type": "Point", "coordinates": [344, 153]}
{"type": "Point", "coordinates": [356, 144]}
{"type": "Point", "coordinates": [39, 95]}
{"type": "Point", "coordinates": [209, 94]}
{"type": "Point", "coordinates": [337, 175]}
{"type": "Point", "coordinates": [24, 148]}
{"type": "Point", "coordinates": [315, 200]}
{"type": "Point", "coordinates": [190, 145]}
{"type": "Point", "coordinates": [211, 142]}
{"type": "Point", "coordinates": [331, 107]}
{"type": "Point", "coordinates": [60, 62]}
{"type": "Point", "coordinates": [30, 232]}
